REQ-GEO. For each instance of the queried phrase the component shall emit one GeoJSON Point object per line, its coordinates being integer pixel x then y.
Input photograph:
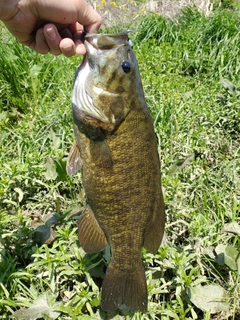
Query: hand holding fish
{"type": "Point", "coordinates": [53, 26]}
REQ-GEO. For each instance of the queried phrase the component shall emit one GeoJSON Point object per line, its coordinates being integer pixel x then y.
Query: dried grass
{"type": "Point", "coordinates": [122, 13]}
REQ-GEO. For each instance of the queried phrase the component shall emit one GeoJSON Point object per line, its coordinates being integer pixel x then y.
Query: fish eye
{"type": "Point", "coordinates": [126, 66]}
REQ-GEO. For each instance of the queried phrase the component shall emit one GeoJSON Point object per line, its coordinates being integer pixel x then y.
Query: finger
{"type": "Point", "coordinates": [76, 28]}
{"type": "Point", "coordinates": [66, 32]}
{"type": "Point", "coordinates": [67, 47]}
{"type": "Point", "coordinates": [53, 38]}
{"type": "Point", "coordinates": [79, 45]}
{"type": "Point", "coordinates": [80, 48]}
{"type": "Point", "coordinates": [40, 45]}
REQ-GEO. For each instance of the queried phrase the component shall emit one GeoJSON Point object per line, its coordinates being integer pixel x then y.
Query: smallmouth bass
{"type": "Point", "coordinates": [116, 149]}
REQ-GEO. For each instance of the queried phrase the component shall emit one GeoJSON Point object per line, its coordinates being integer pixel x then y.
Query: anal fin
{"type": "Point", "coordinates": [90, 234]}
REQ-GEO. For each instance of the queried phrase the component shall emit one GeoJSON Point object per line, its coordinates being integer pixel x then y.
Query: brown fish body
{"type": "Point", "coordinates": [120, 170]}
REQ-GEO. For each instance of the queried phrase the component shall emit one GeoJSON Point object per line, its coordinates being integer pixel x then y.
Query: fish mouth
{"type": "Point", "coordinates": [105, 41]}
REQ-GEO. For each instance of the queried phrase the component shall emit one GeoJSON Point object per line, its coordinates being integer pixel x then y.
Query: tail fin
{"type": "Point", "coordinates": [124, 287]}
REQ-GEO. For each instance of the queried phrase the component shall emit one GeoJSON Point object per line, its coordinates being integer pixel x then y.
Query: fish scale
{"type": "Point", "coordinates": [120, 168]}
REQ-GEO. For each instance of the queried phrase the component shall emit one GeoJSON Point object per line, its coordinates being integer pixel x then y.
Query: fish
{"type": "Point", "coordinates": [116, 150]}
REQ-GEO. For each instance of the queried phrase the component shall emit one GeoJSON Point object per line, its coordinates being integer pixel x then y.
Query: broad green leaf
{"type": "Point", "coordinates": [39, 309]}
{"type": "Point", "coordinates": [12, 57]}
{"type": "Point", "coordinates": [219, 250]}
{"type": "Point", "coordinates": [171, 314]}
{"type": "Point", "coordinates": [181, 163]}
{"type": "Point", "coordinates": [228, 85]}
{"type": "Point", "coordinates": [210, 298]}
{"type": "Point", "coordinates": [210, 251]}
{"type": "Point", "coordinates": [51, 173]}
{"type": "Point", "coordinates": [3, 116]}
{"type": "Point", "coordinates": [52, 218]}
{"type": "Point", "coordinates": [43, 234]}
{"type": "Point", "coordinates": [56, 141]}
{"type": "Point", "coordinates": [20, 194]}
{"type": "Point", "coordinates": [61, 170]}
{"type": "Point", "coordinates": [232, 258]}
{"type": "Point", "coordinates": [35, 70]}
{"type": "Point", "coordinates": [232, 227]}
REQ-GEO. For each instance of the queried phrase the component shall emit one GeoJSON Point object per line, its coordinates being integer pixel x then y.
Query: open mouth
{"type": "Point", "coordinates": [107, 41]}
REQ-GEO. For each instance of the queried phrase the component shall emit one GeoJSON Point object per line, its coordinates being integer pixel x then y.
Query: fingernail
{"type": "Point", "coordinates": [41, 34]}
{"type": "Point", "coordinates": [51, 33]}
{"type": "Point", "coordinates": [68, 47]}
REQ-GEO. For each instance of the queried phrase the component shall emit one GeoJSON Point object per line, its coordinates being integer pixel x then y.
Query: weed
{"type": "Point", "coordinates": [190, 73]}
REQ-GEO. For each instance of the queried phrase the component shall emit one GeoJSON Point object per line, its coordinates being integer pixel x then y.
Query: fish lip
{"type": "Point", "coordinates": [112, 35]}
{"type": "Point", "coordinates": [115, 39]}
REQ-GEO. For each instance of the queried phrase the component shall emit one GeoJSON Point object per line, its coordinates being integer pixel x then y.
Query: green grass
{"type": "Point", "coordinates": [190, 74]}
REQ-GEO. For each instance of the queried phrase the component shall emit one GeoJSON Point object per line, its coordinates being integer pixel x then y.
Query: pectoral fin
{"type": "Point", "coordinates": [74, 161]}
{"type": "Point", "coordinates": [86, 125]}
{"type": "Point", "coordinates": [90, 234]}
{"type": "Point", "coordinates": [102, 152]}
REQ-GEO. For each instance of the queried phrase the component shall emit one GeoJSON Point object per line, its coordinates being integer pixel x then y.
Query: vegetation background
{"type": "Point", "coordinates": [189, 63]}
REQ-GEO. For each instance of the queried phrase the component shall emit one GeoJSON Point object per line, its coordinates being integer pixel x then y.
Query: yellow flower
{"type": "Point", "coordinates": [113, 3]}
{"type": "Point", "coordinates": [143, 10]}
{"type": "Point", "coordinates": [103, 1]}
{"type": "Point", "coordinates": [98, 6]}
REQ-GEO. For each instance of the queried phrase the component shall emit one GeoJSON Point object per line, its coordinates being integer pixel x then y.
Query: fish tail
{"type": "Point", "coordinates": [124, 287]}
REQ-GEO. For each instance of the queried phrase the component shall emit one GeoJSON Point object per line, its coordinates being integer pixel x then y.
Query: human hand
{"type": "Point", "coordinates": [52, 26]}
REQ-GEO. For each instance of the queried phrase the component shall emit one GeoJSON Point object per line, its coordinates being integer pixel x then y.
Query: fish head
{"type": "Point", "coordinates": [113, 63]}
{"type": "Point", "coordinates": [107, 81]}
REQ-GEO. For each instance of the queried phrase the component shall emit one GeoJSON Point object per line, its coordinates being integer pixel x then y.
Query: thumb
{"type": "Point", "coordinates": [88, 17]}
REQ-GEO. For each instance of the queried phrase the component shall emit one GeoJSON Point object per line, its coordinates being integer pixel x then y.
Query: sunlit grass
{"type": "Point", "coordinates": [190, 74]}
